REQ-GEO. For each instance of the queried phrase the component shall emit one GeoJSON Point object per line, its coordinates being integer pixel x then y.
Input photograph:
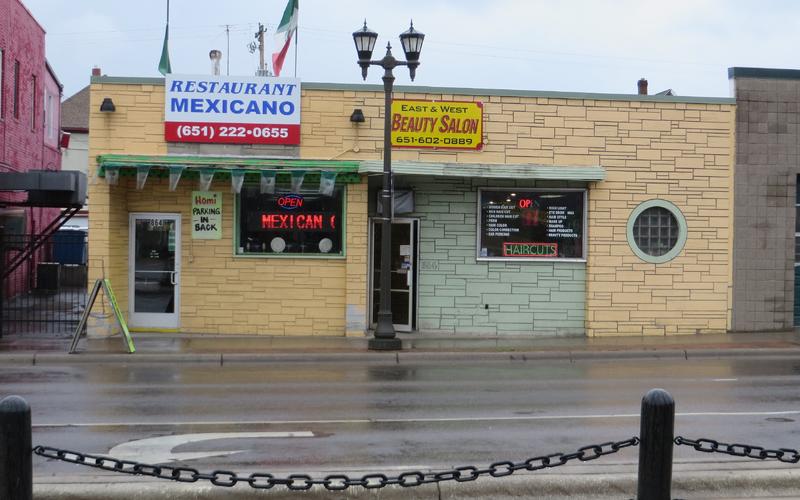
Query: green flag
{"type": "Point", "coordinates": [164, 66]}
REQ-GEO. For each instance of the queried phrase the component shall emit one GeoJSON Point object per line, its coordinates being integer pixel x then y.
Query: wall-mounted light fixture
{"type": "Point", "coordinates": [357, 116]}
{"type": "Point", "coordinates": [108, 105]}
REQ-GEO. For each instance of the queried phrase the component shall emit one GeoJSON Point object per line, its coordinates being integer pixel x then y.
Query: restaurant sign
{"type": "Point", "coordinates": [437, 124]}
{"type": "Point", "coordinates": [231, 109]}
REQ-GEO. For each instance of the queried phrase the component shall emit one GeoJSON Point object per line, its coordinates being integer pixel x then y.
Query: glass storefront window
{"type": "Point", "coordinates": [285, 223]}
{"type": "Point", "coordinates": [525, 224]}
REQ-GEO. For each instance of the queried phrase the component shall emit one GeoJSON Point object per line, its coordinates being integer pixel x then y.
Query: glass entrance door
{"type": "Point", "coordinates": [403, 269]}
{"type": "Point", "coordinates": [154, 257]}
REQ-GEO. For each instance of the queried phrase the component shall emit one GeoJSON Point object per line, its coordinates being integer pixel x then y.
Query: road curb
{"type": "Point", "coordinates": [578, 486]}
{"type": "Point", "coordinates": [315, 357]}
{"type": "Point", "coordinates": [744, 352]}
{"type": "Point", "coordinates": [21, 358]}
{"type": "Point", "coordinates": [631, 354]}
{"type": "Point", "coordinates": [400, 357]}
{"type": "Point", "coordinates": [59, 358]}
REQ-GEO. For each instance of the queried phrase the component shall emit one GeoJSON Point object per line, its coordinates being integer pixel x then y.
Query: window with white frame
{"type": "Point", "coordinates": [34, 107]}
{"type": "Point", "coordinates": [49, 116]}
{"type": "Point", "coordinates": [531, 224]}
{"type": "Point", "coordinates": [15, 103]}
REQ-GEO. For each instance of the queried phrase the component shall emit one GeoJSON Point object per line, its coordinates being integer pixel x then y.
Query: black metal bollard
{"type": "Point", "coordinates": [655, 447]}
{"type": "Point", "coordinates": [16, 458]}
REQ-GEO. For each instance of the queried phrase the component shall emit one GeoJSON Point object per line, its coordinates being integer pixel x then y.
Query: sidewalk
{"type": "Point", "coordinates": [711, 485]}
{"type": "Point", "coordinates": [159, 347]}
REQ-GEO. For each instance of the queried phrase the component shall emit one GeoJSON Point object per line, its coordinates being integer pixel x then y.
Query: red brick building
{"type": "Point", "coordinates": [30, 104]}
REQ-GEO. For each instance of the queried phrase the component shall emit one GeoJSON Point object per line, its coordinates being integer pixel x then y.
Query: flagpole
{"type": "Point", "coordinates": [283, 37]}
{"type": "Point", "coordinates": [164, 66]}
{"type": "Point", "coordinates": [296, 41]}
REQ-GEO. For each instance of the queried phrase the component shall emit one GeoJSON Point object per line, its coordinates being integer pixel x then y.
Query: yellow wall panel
{"type": "Point", "coordinates": [676, 151]}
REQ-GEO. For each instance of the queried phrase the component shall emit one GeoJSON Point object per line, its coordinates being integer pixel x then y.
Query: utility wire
{"type": "Point", "coordinates": [325, 34]}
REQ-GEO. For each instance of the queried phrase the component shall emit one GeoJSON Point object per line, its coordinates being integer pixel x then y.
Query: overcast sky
{"type": "Point", "coordinates": [564, 45]}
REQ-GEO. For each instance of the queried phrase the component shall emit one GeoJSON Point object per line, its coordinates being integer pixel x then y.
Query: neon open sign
{"type": "Point", "coordinates": [290, 201]}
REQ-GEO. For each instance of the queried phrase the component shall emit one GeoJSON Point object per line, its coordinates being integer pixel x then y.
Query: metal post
{"type": "Point", "coordinates": [260, 34]}
{"type": "Point", "coordinates": [655, 448]}
{"type": "Point", "coordinates": [16, 459]}
{"type": "Point", "coordinates": [385, 338]}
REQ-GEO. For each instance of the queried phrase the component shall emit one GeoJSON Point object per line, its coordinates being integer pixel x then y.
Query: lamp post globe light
{"type": "Point", "coordinates": [385, 338]}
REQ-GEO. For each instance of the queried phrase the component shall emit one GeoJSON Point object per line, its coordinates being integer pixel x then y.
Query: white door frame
{"type": "Point", "coordinates": [413, 288]}
{"type": "Point", "coordinates": [154, 321]}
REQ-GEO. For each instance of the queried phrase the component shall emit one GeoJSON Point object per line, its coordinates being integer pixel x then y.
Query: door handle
{"type": "Point", "coordinates": [408, 277]}
{"type": "Point", "coordinates": [172, 278]}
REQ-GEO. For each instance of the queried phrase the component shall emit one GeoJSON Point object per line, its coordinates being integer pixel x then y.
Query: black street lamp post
{"type": "Point", "coordinates": [385, 338]}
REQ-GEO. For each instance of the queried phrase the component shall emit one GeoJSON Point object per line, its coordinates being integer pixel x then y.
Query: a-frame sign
{"type": "Point", "coordinates": [106, 286]}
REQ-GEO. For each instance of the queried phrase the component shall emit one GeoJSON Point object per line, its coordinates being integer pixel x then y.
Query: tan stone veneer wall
{"type": "Point", "coordinates": [132, 128]}
{"type": "Point", "coordinates": [667, 149]}
{"type": "Point", "coordinates": [679, 150]}
{"type": "Point", "coordinates": [219, 293]}
{"type": "Point", "coordinates": [682, 153]}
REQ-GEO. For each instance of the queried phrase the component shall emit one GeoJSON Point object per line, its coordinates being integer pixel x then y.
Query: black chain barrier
{"type": "Point", "coordinates": [787, 455]}
{"type": "Point", "coordinates": [334, 482]}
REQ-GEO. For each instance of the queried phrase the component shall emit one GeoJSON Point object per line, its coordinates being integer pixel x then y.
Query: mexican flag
{"type": "Point", "coordinates": [283, 35]}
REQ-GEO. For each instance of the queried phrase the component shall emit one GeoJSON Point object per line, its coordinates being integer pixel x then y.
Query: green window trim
{"type": "Point", "coordinates": [682, 228]}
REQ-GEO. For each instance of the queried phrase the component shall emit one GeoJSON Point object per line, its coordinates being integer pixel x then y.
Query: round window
{"type": "Point", "coordinates": [656, 231]}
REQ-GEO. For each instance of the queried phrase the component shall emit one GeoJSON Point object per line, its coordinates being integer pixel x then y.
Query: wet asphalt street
{"type": "Point", "coordinates": [346, 417]}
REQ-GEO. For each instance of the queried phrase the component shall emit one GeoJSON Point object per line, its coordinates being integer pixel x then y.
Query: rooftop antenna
{"type": "Point", "coordinates": [259, 46]}
{"type": "Point", "coordinates": [228, 60]}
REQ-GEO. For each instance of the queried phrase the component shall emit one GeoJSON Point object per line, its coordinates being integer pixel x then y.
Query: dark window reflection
{"type": "Point", "coordinates": [290, 223]}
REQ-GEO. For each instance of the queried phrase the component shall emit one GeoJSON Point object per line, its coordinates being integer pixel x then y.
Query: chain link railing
{"type": "Point", "coordinates": [655, 445]}
{"type": "Point", "coordinates": [786, 455]}
{"type": "Point", "coordinates": [334, 482]}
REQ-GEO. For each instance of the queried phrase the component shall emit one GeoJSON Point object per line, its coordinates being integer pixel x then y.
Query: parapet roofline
{"type": "Point", "coordinates": [774, 73]}
{"type": "Point", "coordinates": [477, 92]}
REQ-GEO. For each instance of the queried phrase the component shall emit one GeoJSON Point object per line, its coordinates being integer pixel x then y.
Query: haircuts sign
{"type": "Point", "coordinates": [437, 124]}
{"type": "Point", "coordinates": [231, 109]}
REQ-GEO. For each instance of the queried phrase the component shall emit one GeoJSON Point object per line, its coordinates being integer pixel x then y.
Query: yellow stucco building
{"type": "Point", "coordinates": [579, 214]}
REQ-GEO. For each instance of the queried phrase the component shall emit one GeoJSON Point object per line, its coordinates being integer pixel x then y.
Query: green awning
{"type": "Point", "coordinates": [347, 172]}
{"type": "Point", "coordinates": [223, 166]}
